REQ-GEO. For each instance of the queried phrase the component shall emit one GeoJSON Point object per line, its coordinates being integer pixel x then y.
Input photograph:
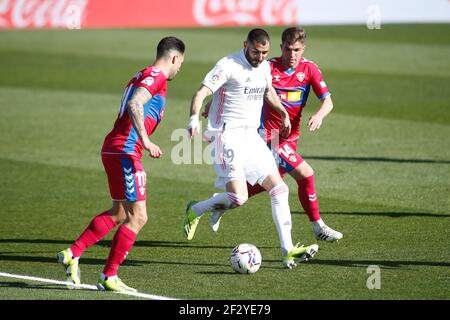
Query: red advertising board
{"type": "Point", "coordinates": [19, 14]}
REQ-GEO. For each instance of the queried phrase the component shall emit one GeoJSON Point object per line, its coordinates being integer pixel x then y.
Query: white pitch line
{"type": "Point", "coordinates": [83, 286]}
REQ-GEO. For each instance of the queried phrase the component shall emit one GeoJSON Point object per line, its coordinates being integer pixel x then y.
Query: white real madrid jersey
{"type": "Point", "coordinates": [238, 92]}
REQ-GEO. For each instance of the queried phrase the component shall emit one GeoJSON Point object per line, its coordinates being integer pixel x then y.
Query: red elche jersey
{"type": "Point", "coordinates": [123, 138]}
{"type": "Point", "coordinates": [292, 87]}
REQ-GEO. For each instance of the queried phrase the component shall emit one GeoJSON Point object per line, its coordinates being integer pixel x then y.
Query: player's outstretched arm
{"type": "Point", "coordinates": [196, 105]}
{"type": "Point", "coordinates": [315, 121]}
{"type": "Point", "coordinates": [274, 102]}
{"type": "Point", "coordinates": [136, 112]}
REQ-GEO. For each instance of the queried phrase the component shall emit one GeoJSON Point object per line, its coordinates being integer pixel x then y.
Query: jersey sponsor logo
{"type": "Point", "coordinates": [322, 84]}
{"type": "Point", "coordinates": [301, 76]}
{"type": "Point", "coordinates": [294, 96]}
{"type": "Point", "coordinates": [254, 94]}
{"type": "Point", "coordinates": [148, 81]}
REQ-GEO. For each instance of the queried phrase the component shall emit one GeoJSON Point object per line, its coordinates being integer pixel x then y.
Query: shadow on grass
{"type": "Point", "coordinates": [139, 243]}
{"type": "Point", "coordinates": [387, 264]}
{"type": "Point", "coordinates": [23, 285]}
{"type": "Point", "coordinates": [101, 262]}
{"type": "Point", "coordinates": [378, 159]}
{"type": "Point", "coordinates": [391, 214]}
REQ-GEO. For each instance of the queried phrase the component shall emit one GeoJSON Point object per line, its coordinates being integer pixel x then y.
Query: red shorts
{"type": "Point", "coordinates": [126, 177]}
{"type": "Point", "coordinates": [286, 156]}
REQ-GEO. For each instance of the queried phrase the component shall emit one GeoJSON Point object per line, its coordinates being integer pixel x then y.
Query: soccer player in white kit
{"type": "Point", "coordinates": [239, 83]}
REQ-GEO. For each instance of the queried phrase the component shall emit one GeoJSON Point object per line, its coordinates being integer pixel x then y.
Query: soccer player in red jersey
{"type": "Point", "coordinates": [293, 76]}
{"type": "Point", "coordinates": [140, 112]}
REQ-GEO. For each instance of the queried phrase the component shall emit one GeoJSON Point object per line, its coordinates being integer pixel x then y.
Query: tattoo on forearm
{"type": "Point", "coordinates": [136, 109]}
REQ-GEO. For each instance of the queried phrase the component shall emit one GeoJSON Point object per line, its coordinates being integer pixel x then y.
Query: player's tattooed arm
{"type": "Point", "coordinates": [136, 112]}
{"type": "Point", "coordinates": [272, 99]}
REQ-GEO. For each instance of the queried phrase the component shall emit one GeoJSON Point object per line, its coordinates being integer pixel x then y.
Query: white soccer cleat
{"type": "Point", "coordinates": [214, 221]}
{"type": "Point", "coordinates": [327, 234]}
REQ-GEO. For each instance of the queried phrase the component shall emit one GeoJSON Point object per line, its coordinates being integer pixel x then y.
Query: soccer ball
{"type": "Point", "coordinates": [245, 258]}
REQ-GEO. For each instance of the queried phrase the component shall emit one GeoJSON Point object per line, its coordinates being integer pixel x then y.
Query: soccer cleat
{"type": "Point", "coordinates": [70, 265]}
{"type": "Point", "coordinates": [113, 284]}
{"type": "Point", "coordinates": [299, 254]}
{"type": "Point", "coordinates": [327, 234]}
{"type": "Point", "coordinates": [191, 221]}
{"type": "Point", "coordinates": [214, 220]}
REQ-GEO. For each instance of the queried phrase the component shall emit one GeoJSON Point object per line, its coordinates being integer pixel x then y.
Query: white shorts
{"type": "Point", "coordinates": [241, 154]}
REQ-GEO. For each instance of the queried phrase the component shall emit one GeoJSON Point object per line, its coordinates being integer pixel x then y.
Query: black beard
{"type": "Point", "coordinates": [247, 56]}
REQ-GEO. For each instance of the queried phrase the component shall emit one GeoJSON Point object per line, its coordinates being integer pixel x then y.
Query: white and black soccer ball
{"type": "Point", "coordinates": [245, 258]}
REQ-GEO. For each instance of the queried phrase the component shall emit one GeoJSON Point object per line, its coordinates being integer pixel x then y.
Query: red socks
{"type": "Point", "coordinates": [99, 227]}
{"type": "Point", "coordinates": [308, 198]}
{"type": "Point", "coordinates": [122, 243]}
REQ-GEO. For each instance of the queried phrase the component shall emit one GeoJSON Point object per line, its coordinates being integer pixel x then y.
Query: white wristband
{"type": "Point", "coordinates": [193, 122]}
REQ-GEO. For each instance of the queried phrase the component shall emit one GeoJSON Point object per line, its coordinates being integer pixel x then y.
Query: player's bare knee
{"type": "Point", "coordinates": [142, 220]}
{"type": "Point", "coordinates": [117, 213]}
{"type": "Point", "coordinates": [306, 170]}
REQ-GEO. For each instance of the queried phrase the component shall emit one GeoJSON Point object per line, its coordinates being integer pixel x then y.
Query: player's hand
{"type": "Point", "coordinates": [285, 128]}
{"type": "Point", "coordinates": [153, 150]}
{"type": "Point", "coordinates": [314, 122]}
{"type": "Point", "coordinates": [193, 126]}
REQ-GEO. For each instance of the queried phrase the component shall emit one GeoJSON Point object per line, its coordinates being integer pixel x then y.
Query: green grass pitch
{"type": "Point", "coordinates": [381, 160]}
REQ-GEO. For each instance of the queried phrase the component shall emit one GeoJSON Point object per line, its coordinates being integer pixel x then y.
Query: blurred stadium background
{"type": "Point", "coordinates": [382, 157]}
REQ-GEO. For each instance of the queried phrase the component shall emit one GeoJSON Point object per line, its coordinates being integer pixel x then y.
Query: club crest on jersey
{"type": "Point", "coordinates": [300, 76]}
{"type": "Point", "coordinates": [276, 78]}
{"type": "Point", "coordinates": [148, 81]}
{"type": "Point", "coordinates": [215, 77]}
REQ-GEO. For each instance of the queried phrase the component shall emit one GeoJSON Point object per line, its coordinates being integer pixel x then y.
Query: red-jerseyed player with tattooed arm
{"type": "Point", "coordinates": [292, 77]}
{"type": "Point", "coordinates": [140, 112]}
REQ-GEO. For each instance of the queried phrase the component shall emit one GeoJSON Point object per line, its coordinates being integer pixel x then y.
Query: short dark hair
{"type": "Point", "coordinates": [294, 34]}
{"type": "Point", "coordinates": [169, 43]}
{"type": "Point", "coordinates": [258, 35]}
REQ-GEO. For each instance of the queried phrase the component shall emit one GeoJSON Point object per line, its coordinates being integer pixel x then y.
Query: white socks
{"type": "Point", "coordinates": [221, 201]}
{"type": "Point", "coordinates": [317, 225]}
{"type": "Point", "coordinates": [281, 215]}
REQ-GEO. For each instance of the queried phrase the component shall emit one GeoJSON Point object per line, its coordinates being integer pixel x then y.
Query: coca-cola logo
{"type": "Point", "coordinates": [245, 12]}
{"type": "Point", "coordinates": [42, 13]}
